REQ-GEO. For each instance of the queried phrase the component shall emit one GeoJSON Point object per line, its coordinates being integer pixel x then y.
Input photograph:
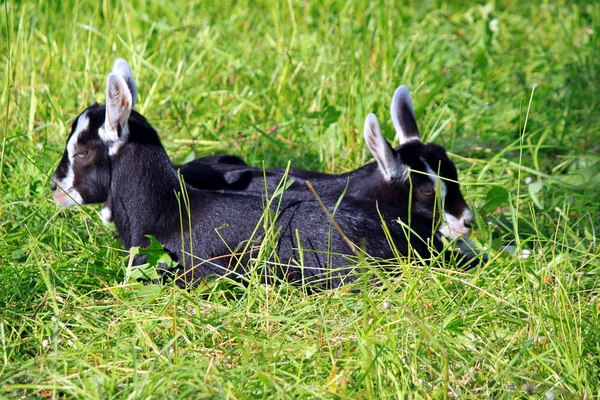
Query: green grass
{"type": "Point", "coordinates": [208, 70]}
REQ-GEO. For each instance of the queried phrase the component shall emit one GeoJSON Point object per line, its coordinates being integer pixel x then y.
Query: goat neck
{"type": "Point", "coordinates": [154, 192]}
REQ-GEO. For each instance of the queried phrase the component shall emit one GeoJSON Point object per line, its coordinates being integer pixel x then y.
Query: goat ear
{"type": "Point", "coordinates": [118, 108]}
{"type": "Point", "coordinates": [403, 116]}
{"type": "Point", "coordinates": [121, 68]}
{"type": "Point", "coordinates": [381, 149]}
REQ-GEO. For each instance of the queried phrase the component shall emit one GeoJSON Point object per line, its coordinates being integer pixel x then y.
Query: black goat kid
{"type": "Point", "coordinates": [414, 176]}
{"type": "Point", "coordinates": [113, 153]}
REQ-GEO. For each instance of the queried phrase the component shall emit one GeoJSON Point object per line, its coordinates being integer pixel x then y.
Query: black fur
{"type": "Point", "coordinates": [364, 183]}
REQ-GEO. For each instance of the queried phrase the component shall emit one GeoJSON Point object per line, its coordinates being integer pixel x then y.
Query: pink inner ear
{"type": "Point", "coordinates": [372, 141]}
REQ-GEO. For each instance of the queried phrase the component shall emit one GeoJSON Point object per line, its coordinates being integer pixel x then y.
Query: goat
{"type": "Point", "coordinates": [406, 177]}
{"type": "Point", "coordinates": [113, 153]}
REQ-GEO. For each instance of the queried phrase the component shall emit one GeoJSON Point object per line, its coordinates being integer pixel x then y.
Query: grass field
{"type": "Point", "coordinates": [512, 90]}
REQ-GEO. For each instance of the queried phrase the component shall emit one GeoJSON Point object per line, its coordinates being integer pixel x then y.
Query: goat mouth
{"type": "Point", "coordinates": [452, 232]}
{"type": "Point", "coordinates": [60, 197]}
{"type": "Point", "coordinates": [63, 198]}
{"type": "Point", "coordinates": [465, 233]}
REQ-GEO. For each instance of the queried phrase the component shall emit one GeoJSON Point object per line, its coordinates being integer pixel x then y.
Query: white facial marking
{"type": "Point", "coordinates": [452, 226]}
{"type": "Point", "coordinates": [66, 195]}
{"type": "Point", "coordinates": [83, 123]}
{"type": "Point", "coordinates": [436, 181]}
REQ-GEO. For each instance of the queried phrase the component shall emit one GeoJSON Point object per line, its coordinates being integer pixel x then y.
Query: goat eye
{"type": "Point", "coordinates": [82, 154]}
{"type": "Point", "coordinates": [428, 192]}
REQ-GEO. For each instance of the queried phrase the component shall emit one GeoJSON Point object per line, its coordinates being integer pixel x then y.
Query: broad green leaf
{"type": "Point", "coordinates": [156, 254]}
{"type": "Point", "coordinates": [496, 197]}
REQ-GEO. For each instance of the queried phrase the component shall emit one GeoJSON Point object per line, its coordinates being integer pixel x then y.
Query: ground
{"type": "Point", "coordinates": [510, 89]}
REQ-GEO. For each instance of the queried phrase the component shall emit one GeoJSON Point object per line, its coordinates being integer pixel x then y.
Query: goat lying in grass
{"type": "Point", "coordinates": [413, 176]}
{"type": "Point", "coordinates": [113, 153]}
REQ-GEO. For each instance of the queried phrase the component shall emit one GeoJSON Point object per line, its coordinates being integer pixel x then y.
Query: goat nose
{"type": "Point", "coordinates": [468, 221]}
{"type": "Point", "coordinates": [53, 186]}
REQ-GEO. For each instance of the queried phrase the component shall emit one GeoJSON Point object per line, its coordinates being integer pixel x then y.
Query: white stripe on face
{"type": "Point", "coordinates": [436, 180]}
{"type": "Point", "coordinates": [83, 123]}
{"type": "Point", "coordinates": [66, 195]}
{"type": "Point", "coordinates": [452, 226]}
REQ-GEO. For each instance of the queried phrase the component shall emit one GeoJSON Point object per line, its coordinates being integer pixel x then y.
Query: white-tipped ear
{"type": "Point", "coordinates": [381, 149]}
{"type": "Point", "coordinates": [403, 116]}
{"type": "Point", "coordinates": [118, 108]}
{"type": "Point", "coordinates": [121, 68]}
